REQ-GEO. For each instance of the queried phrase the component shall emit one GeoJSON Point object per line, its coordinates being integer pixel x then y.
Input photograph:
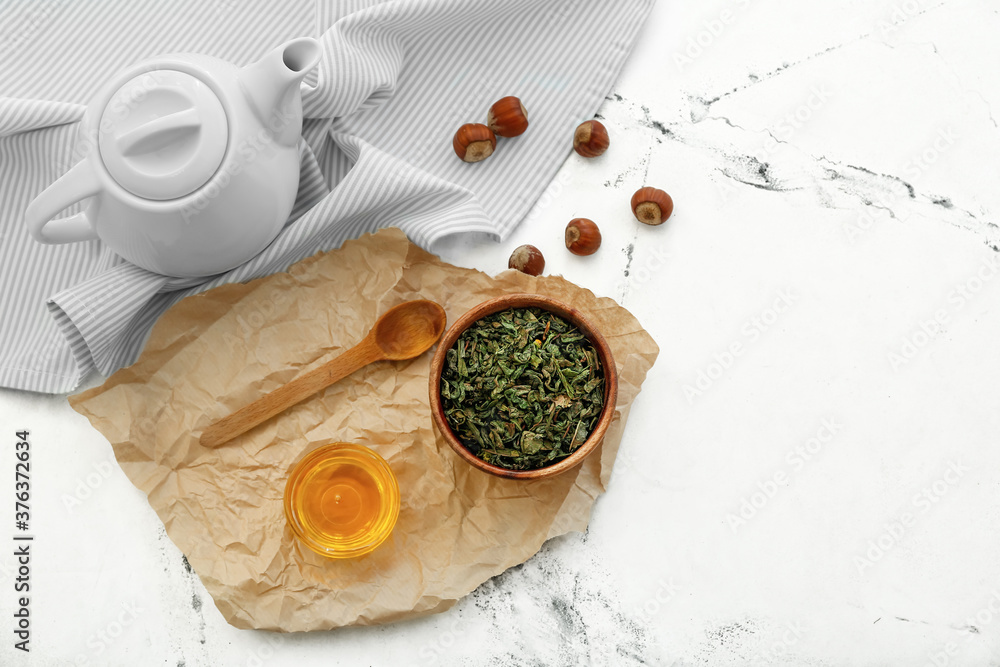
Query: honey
{"type": "Point", "coordinates": [342, 500]}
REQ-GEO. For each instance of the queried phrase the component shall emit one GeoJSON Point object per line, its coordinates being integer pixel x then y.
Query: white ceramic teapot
{"type": "Point", "coordinates": [190, 163]}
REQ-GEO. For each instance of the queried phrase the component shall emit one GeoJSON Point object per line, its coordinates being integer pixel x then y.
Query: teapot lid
{"type": "Point", "coordinates": [163, 134]}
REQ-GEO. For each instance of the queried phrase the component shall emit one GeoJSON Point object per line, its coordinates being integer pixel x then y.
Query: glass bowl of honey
{"type": "Point", "coordinates": [342, 500]}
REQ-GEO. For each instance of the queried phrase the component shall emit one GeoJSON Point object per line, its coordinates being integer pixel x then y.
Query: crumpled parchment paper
{"type": "Point", "coordinates": [214, 352]}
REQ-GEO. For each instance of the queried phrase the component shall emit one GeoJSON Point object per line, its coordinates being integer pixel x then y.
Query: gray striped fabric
{"type": "Point", "coordinates": [396, 80]}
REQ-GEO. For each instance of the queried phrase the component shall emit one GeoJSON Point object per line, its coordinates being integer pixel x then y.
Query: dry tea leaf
{"type": "Point", "coordinates": [522, 388]}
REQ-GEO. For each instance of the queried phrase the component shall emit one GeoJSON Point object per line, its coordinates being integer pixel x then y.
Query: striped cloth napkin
{"type": "Point", "coordinates": [396, 80]}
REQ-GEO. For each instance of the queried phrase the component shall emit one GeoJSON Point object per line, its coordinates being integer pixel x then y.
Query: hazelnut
{"type": "Point", "coordinates": [591, 139]}
{"type": "Point", "coordinates": [652, 206]}
{"type": "Point", "coordinates": [582, 236]}
{"type": "Point", "coordinates": [527, 259]}
{"type": "Point", "coordinates": [474, 142]}
{"type": "Point", "coordinates": [507, 117]}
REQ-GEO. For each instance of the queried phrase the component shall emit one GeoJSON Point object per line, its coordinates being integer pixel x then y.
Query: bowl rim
{"type": "Point", "coordinates": [567, 312]}
{"type": "Point", "coordinates": [323, 451]}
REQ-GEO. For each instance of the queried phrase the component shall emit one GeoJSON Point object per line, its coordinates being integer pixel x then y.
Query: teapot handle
{"type": "Point", "coordinates": [78, 183]}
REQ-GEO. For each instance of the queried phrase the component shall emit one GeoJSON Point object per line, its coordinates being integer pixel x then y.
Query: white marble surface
{"type": "Point", "coordinates": [827, 495]}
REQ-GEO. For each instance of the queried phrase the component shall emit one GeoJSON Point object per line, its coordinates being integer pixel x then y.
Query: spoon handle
{"type": "Point", "coordinates": [290, 394]}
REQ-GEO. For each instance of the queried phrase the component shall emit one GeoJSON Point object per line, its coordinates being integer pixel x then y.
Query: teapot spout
{"type": "Point", "coordinates": [272, 84]}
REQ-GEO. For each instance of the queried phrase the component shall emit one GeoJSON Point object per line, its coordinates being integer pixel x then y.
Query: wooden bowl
{"type": "Point", "coordinates": [569, 314]}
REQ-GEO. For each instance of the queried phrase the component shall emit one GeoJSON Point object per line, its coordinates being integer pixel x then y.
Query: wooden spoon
{"type": "Point", "coordinates": [403, 332]}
